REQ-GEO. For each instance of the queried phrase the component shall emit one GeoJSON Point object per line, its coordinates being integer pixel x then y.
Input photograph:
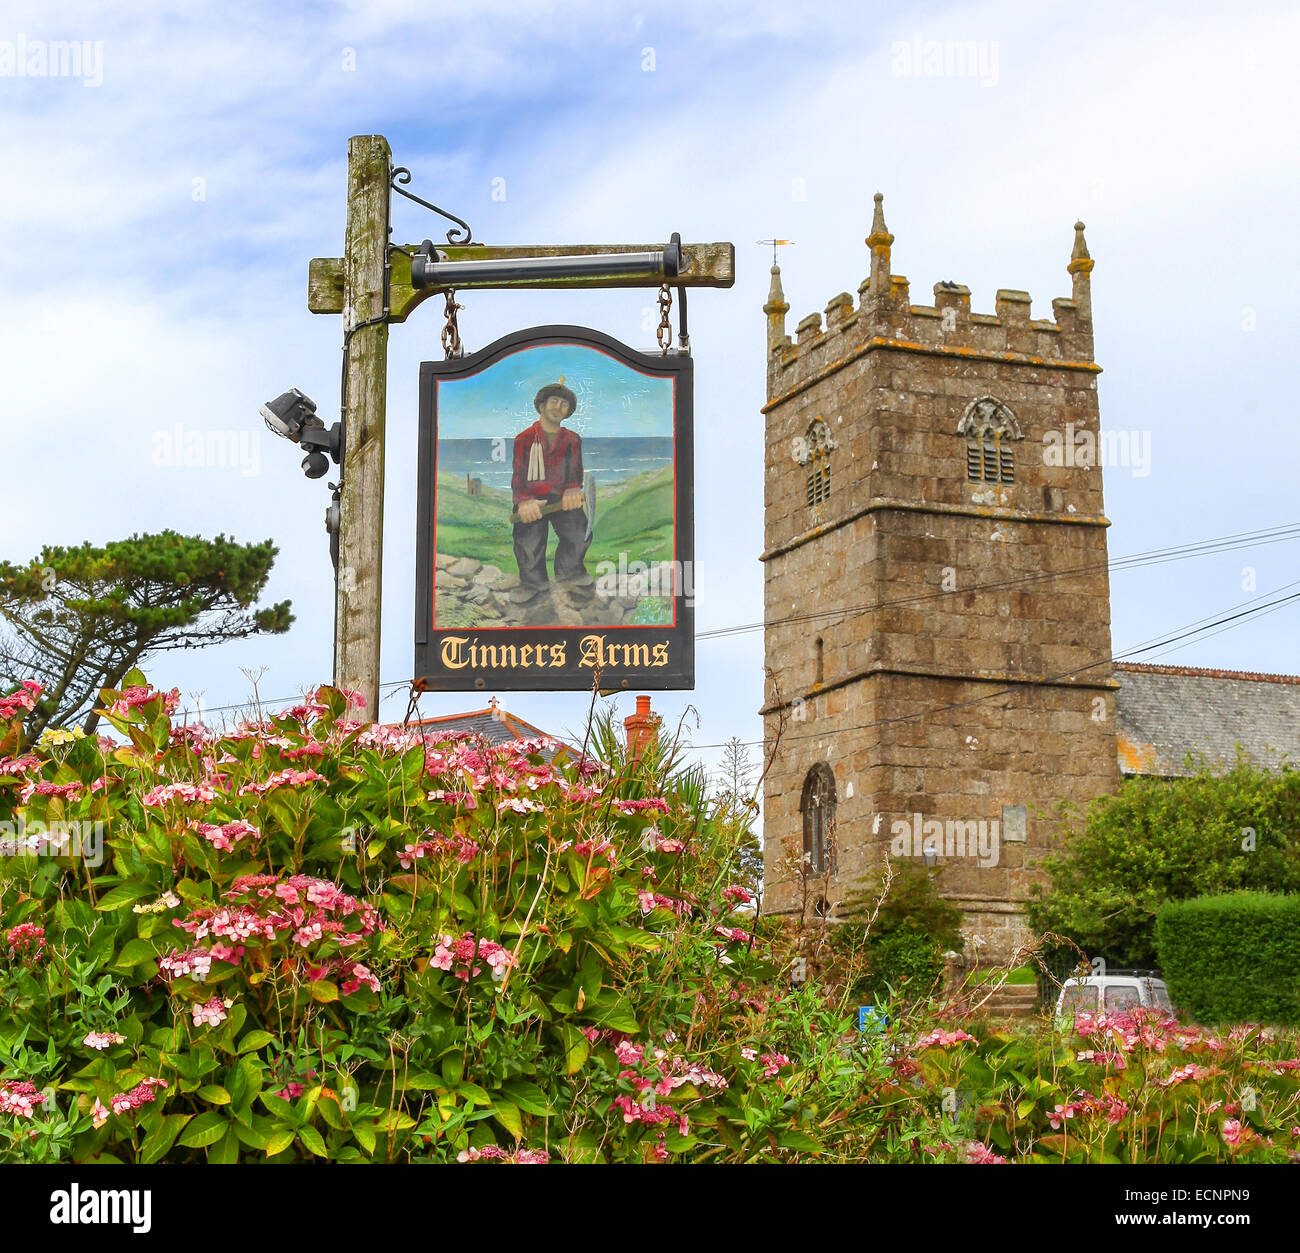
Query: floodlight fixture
{"type": "Point", "coordinates": [292, 416]}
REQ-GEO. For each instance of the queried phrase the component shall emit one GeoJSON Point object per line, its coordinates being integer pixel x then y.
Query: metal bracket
{"type": "Point", "coordinates": [401, 175]}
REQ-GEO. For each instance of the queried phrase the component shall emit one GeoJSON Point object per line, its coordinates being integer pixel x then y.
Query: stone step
{"type": "Point", "coordinates": [1012, 1000]}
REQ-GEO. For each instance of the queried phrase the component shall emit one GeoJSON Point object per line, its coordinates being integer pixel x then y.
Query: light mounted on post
{"type": "Point", "coordinates": [430, 268]}
{"type": "Point", "coordinates": [292, 416]}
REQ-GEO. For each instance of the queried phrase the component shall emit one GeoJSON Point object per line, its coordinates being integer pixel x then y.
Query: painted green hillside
{"type": "Point", "coordinates": [633, 517]}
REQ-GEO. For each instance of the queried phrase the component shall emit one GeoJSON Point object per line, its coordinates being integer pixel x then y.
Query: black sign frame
{"type": "Point", "coordinates": [621, 657]}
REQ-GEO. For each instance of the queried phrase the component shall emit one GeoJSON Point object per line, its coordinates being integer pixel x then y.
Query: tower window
{"type": "Point", "coordinates": [819, 485]}
{"type": "Point", "coordinates": [989, 427]}
{"type": "Point", "coordinates": [818, 809]}
{"type": "Point", "coordinates": [812, 451]}
{"type": "Point", "coordinates": [990, 461]}
{"type": "Point", "coordinates": [820, 670]}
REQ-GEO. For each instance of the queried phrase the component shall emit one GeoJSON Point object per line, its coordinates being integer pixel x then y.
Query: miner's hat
{"type": "Point", "coordinates": [555, 389]}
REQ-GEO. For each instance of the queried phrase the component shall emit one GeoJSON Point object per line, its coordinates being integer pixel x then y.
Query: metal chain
{"type": "Point", "coordinates": [451, 345]}
{"type": "Point", "coordinates": [416, 692]}
{"type": "Point", "coordinates": [664, 334]}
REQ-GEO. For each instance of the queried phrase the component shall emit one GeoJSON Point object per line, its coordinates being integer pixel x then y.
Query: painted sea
{"type": "Point", "coordinates": [611, 459]}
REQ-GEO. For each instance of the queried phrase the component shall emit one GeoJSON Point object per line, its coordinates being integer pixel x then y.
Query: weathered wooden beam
{"type": "Point", "coordinates": [706, 265]}
{"type": "Point", "coordinates": [357, 594]}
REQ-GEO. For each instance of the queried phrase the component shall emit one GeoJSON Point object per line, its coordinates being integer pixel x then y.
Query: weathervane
{"type": "Point", "coordinates": [776, 243]}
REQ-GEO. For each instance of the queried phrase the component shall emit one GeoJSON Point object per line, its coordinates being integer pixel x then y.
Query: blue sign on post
{"type": "Point", "coordinates": [871, 1018]}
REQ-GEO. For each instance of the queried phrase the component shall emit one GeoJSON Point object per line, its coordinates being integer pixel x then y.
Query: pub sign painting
{"type": "Point", "coordinates": [555, 533]}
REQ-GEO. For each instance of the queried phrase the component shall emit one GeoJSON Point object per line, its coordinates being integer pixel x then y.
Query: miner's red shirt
{"type": "Point", "coordinates": [562, 461]}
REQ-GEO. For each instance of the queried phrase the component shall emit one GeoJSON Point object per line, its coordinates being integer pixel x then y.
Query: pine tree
{"type": "Point", "coordinates": [79, 619]}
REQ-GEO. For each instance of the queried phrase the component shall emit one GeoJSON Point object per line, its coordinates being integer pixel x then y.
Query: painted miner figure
{"type": "Point", "coordinates": [548, 492]}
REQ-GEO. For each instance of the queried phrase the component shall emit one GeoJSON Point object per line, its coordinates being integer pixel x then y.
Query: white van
{"type": "Point", "coordinates": [1116, 992]}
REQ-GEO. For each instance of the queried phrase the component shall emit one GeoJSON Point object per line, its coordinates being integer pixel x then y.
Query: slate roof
{"type": "Point", "coordinates": [1166, 712]}
{"type": "Point", "coordinates": [493, 723]}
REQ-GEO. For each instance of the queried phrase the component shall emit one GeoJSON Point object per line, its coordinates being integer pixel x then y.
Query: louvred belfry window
{"type": "Point", "coordinates": [812, 451]}
{"type": "Point", "coordinates": [989, 427]}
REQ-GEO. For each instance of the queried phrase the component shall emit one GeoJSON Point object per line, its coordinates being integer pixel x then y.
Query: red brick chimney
{"type": "Point", "coordinates": [642, 728]}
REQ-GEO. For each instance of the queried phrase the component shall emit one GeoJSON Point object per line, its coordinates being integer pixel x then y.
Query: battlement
{"type": "Point", "coordinates": [885, 318]}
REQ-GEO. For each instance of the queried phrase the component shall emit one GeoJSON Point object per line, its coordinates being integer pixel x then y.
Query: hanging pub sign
{"type": "Point", "coordinates": [555, 544]}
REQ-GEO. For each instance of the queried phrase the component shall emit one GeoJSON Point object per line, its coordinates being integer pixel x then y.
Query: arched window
{"type": "Point", "coordinates": [819, 654]}
{"type": "Point", "coordinates": [989, 427]}
{"type": "Point", "coordinates": [812, 451]}
{"type": "Point", "coordinates": [818, 809]}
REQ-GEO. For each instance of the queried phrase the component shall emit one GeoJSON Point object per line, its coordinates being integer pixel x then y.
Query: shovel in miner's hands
{"type": "Point", "coordinates": [588, 502]}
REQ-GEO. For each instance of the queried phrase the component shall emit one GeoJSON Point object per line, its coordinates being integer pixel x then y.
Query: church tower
{"type": "Point", "coordinates": [937, 605]}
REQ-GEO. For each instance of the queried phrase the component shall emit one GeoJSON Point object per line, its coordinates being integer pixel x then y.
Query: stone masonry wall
{"type": "Point", "coordinates": [943, 645]}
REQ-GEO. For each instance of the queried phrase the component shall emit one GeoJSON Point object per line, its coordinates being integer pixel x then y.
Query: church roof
{"type": "Point", "coordinates": [1166, 712]}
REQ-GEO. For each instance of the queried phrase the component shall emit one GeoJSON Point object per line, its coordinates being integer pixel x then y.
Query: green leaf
{"type": "Point", "coordinates": [123, 894]}
{"type": "Point", "coordinates": [797, 1140]}
{"type": "Point", "coordinates": [616, 1015]}
{"type": "Point", "coordinates": [278, 1141]}
{"type": "Point", "coordinates": [251, 1135]}
{"type": "Point", "coordinates": [227, 1152]}
{"type": "Point", "coordinates": [365, 1137]}
{"type": "Point", "coordinates": [507, 1114]}
{"type": "Point", "coordinates": [160, 1140]}
{"type": "Point", "coordinates": [324, 991]}
{"type": "Point", "coordinates": [255, 1040]}
{"type": "Point", "coordinates": [310, 1138]}
{"type": "Point", "coordinates": [528, 1096]}
{"type": "Point", "coordinates": [214, 1094]}
{"type": "Point", "coordinates": [453, 1068]}
{"type": "Point", "coordinates": [134, 953]}
{"type": "Point", "coordinates": [330, 1113]}
{"type": "Point", "coordinates": [476, 1094]}
{"type": "Point", "coordinates": [205, 1129]}
{"type": "Point", "coordinates": [413, 761]}
{"type": "Point", "coordinates": [577, 1048]}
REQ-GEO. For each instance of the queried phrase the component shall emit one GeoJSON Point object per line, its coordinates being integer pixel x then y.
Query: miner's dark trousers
{"type": "Point", "coordinates": [530, 546]}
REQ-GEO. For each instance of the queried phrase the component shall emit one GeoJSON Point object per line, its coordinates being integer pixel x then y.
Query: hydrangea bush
{"type": "Point", "coordinates": [318, 938]}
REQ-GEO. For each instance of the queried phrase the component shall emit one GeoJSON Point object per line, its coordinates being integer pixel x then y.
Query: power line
{"type": "Point", "coordinates": [1158, 642]}
{"type": "Point", "coordinates": [1155, 556]}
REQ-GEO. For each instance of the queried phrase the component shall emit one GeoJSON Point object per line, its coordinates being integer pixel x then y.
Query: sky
{"type": "Point", "coordinates": [160, 207]}
{"type": "Point", "coordinates": [613, 398]}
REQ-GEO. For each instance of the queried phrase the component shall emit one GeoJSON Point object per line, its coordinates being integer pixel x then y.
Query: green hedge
{"type": "Point", "coordinates": [1233, 958]}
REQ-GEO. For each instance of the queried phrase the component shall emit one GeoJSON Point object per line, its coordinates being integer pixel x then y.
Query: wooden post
{"type": "Point", "coordinates": [361, 507]}
{"type": "Point", "coordinates": [370, 283]}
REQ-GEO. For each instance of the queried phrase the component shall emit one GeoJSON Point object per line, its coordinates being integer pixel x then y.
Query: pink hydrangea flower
{"type": "Point", "coordinates": [25, 936]}
{"type": "Point", "coordinates": [20, 1098]}
{"type": "Point", "coordinates": [981, 1155]}
{"type": "Point", "coordinates": [211, 1012]}
{"type": "Point", "coordinates": [188, 792]}
{"type": "Point", "coordinates": [103, 1039]}
{"type": "Point", "coordinates": [41, 787]}
{"type": "Point", "coordinates": [144, 1093]}
{"type": "Point", "coordinates": [944, 1039]}
{"type": "Point", "coordinates": [23, 699]}
{"type": "Point", "coordinates": [1232, 1131]}
{"type": "Point", "coordinates": [177, 965]}
{"type": "Point", "coordinates": [99, 1114]}
{"type": "Point", "coordinates": [360, 974]}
